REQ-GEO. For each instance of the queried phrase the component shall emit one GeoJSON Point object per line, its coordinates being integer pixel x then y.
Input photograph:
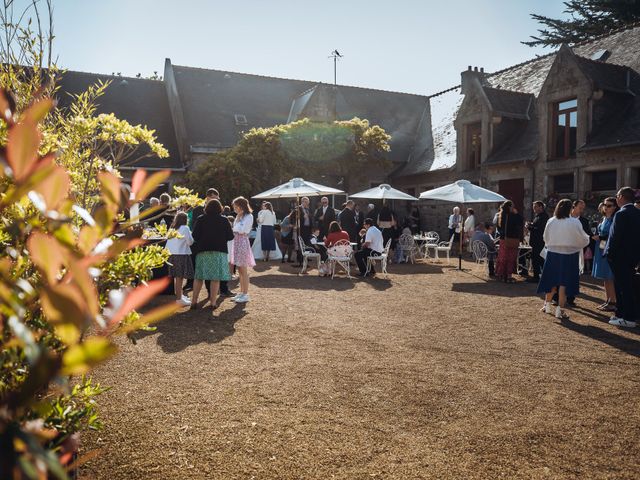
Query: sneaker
{"type": "Point", "coordinates": [621, 322]}
{"type": "Point", "coordinates": [560, 314]}
{"type": "Point", "coordinates": [186, 299]}
{"type": "Point", "coordinates": [547, 308]}
{"type": "Point", "coordinates": [241, 298]}
{"type": "Point", "coordinates": [184, 302]}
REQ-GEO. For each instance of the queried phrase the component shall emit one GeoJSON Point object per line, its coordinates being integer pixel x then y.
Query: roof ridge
{"type": "Point", "coordinates": [115, 77]}
{"type": "Point", "coordinates": [305, 81]}
{"type": "Point", "coordinates": [622, 28]}
{"type": "Point", "coordinates": [629, 26]}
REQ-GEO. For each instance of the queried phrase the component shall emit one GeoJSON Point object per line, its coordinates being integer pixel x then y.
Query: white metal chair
{"type": "Point", "coordinates": [480, 254]}
{"type": "Point", "coordinates": [382, 258]}
{"type": "Point", "coordinates": [340, 254]}
{"type": "Point", "coordinates": [431, 241]}
{"type": "Point", "coordinates": [407, 245]}
{"type": "Point", "coordinates": [307, 253]}
{"type": "Point", "coordinates": [444, 247]}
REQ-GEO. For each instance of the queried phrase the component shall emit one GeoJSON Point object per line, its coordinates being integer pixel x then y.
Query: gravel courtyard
{"type": "Point", "coordinates": [432, 373]}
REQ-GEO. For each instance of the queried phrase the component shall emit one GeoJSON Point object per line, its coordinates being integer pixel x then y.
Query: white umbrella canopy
{"type": "Point", "coordinates": [383, 192]}
{"type": "Point", "coordinates": [297, 187]}
{"type": "Point", "coordinates": [462, 191]}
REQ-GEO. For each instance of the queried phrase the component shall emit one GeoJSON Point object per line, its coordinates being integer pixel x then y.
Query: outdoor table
{"type": "Point", "coordinates": [425, 244]}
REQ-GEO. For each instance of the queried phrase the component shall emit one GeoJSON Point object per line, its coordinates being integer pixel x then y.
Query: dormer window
{"type": "Point", "coordinates": [474, 145]}
{"type": "Point", "coordinates": [565, 129]}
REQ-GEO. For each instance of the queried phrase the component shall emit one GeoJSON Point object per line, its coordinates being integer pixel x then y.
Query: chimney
{"type": "Point", "coordinates": [468, 76]}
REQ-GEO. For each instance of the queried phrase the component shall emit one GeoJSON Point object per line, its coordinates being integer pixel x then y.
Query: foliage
{"type": "Point", "coordinates": [185, 197]}
{"type": "Point", "coordinates": [69, 282]}
{"type": "Point", "coordinates": [265, 157]}
{"type": "Point", "coordinates": [587, 19]}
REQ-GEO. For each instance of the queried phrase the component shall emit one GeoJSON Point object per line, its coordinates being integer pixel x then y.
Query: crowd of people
{"type": "Point", "coordinates": [214, 244]}
{"type": "Point", "coordinates": [563, 246]}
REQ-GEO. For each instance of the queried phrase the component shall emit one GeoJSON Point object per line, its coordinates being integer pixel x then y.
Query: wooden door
{"type": "Point", "coordinates": [513, 189]}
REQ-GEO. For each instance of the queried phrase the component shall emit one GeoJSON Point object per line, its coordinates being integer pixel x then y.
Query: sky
{"type": "Point", "coordinates": [399, 45]}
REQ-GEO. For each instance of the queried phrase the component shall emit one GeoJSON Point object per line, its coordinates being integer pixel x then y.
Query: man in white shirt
{"type": "Point", "coordinates": [373, 245]}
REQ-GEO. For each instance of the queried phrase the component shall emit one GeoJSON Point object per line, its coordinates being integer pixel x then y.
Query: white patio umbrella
{"type": "Point", "coordinates": [462, 191]}
{"type": "Point", "coordinates": [296, 188]}
{"type": "Point", "coordinates": [383, 192]}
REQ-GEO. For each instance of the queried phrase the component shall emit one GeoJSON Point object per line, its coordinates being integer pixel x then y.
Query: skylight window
{"type": "Point", "coordinates": [240, 119]}
{"type": "Point", "coordinates": [601, 55]}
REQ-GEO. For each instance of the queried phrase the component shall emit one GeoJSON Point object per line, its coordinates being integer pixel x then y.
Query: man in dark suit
{"type": "Point", "coordinates": [323, 217]}
{"type": "Point", "coordinates": [623, 254]}
{"type": "Point", "coordinates": [347, 220]}
{"type": "Point", "coordinates": [536, 230]}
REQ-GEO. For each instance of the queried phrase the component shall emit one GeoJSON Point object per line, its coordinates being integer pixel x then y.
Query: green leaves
{"type": "Point", "coordinates": [79, 359]}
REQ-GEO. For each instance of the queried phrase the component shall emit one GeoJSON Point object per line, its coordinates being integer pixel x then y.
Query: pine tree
{"type": "Point", "coordinates": [587, 19]}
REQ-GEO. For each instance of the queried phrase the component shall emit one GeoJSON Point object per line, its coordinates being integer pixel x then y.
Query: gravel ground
{"type": "Point", "coordinates": [432, 373]}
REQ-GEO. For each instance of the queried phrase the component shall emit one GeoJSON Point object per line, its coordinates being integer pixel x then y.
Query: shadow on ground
{"type": "Point", "coordinates": [495, 288]}
{"type": "Point", "coordinates": [193, 327]}
{"type": "Point", "coordinates": [624, 344]}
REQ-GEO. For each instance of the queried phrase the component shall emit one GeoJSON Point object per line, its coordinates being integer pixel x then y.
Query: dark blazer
{"type": "Point", "coordinates": [211, 233]}
{"type": "Point", "coordinates": [623, 244]}
{"type": "Point", "coordinates": [536, 229]}
{"type": "Point", "coordinates": [347, 219]}
{"type": "Point", "coordinates": [514, 226]}
{"type": "Point", "coordinates": [323, 225]}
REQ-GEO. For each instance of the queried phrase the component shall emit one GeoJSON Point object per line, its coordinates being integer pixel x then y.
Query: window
{"type": "Point", "coordinates": [240, 119]}
{"type": "Point", "coordinates": [565, 127]}
{"type": "Point", "coordinates": [474, 144]}
{"type": "Point", "coordinates": [563, 183]}
{"type": "Point", "coordinates": [604, 181]}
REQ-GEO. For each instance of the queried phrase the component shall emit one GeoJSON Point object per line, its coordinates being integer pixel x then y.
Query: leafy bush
{"type": "Point", "coordinates": [69, 282]}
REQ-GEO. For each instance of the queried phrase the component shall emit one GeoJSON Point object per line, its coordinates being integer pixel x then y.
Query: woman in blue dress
{"type": "Point", "coordinates": [601, 268]}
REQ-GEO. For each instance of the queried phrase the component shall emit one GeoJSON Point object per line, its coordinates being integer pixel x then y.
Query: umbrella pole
{"type": "Point", "coordinates": [460, 249]}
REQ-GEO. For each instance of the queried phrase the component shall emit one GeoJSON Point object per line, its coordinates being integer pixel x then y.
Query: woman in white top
{"type": "Point", "coordinates": [264, 245]}
{"type": "Point", "coordinates": [469, 226]}
{"type": "Point", "coordinates": [455, 223]}
{"type": "Point", "coordinates": [564, 239]}
{"type": "Point", "coordinates": [241, 255]}
{"type": "Point", "coordinates": [180, 264]}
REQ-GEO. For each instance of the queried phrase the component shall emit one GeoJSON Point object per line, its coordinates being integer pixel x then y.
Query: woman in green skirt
{"type": "Point", "coordinates": [211, 233]}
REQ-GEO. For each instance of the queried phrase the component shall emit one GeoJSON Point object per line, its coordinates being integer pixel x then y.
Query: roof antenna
{"type": "Point", "coordinates": [335, 55]}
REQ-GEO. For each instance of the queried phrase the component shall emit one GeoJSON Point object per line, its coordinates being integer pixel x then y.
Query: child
{"type": "Point", "coordinates": [242, 256]}
{"type": "Point", "coordinates": [180, 264]}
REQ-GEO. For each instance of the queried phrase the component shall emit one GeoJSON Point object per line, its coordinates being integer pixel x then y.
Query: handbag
{"type": "Point", "coordinates": [509, 242]}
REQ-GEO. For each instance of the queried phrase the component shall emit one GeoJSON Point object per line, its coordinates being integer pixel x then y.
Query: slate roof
{"type": "Point", "coordinates": [528, 78]}
{"type": "Point", "coordinates": [211, 98]}
{"type": "Point", "coordinates": [136, 100]}
{"type": "Point", "coordinates": [511, 104]}
{"type": "Point", "coordinates": [620, 130]}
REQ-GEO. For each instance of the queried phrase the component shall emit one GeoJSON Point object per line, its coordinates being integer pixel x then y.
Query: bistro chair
{"type": "Point", "coordinates": [307, 253]}
{"type": "Point", "coordinates": [382, 258]}
{"type": "Point", "coordinates": [444, 247]}
{"type": "Point", "coordinates": [480, 254]}
{"type": "Point", "coordinates": [407, 245]}
{"type": "Point", "coordinates": [340, 254]}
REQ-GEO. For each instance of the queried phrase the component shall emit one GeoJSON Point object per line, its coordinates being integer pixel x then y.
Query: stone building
{"type": "Point", "coordinates": [566, 124]}
{"type": "Point", "coordinates": [197, 112]}
{"type": "Point", "coordinates": [563, 125]}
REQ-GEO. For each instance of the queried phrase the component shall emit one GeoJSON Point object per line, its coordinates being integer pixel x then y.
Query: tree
{"type": "Point", "coordinates": [265, 157]}
{"type": "Point", "coordinates": [587, 19]}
